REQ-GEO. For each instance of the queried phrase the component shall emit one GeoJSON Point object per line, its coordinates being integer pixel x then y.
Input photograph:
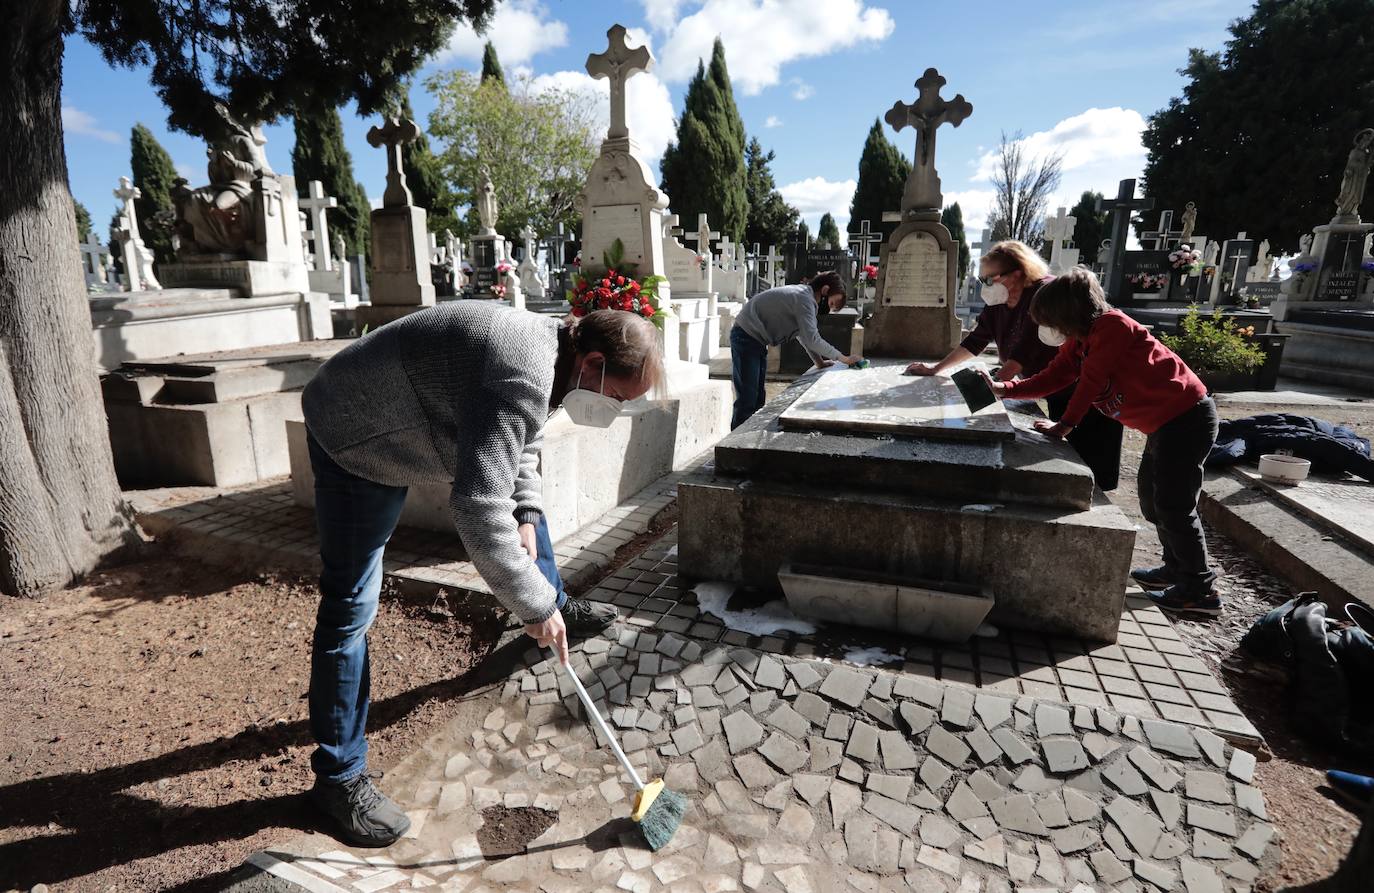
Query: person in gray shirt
{"type": "Point", "coordinates": [454, 394]}
{"type": "Point", "coordinates": [773, 317]}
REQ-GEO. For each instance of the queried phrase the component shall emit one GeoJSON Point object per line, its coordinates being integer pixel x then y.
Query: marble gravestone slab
{"type": "Point", "coordinates": [881, 400]}
{"type": "Point", "coordinates": [916, 272]}
{"type": "Point", "coordinates": [623, 222]}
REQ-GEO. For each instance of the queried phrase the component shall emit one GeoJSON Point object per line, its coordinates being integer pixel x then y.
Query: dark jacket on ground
{"type": "Point", "coordinates": [1331, 449]}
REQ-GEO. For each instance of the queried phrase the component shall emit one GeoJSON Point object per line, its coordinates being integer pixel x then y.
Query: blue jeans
{"type": "Point", "coordinates": [355, 518]}
{"type": "Point", "coordinates": [749, 374]}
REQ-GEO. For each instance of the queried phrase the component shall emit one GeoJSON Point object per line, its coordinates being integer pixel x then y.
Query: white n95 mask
{"type": "Point", "coordinates": [593, 409]}
{"type": "Point", "coordinates": [994, 294]}
{"type": "Point", "coordinates": [1052, 337]}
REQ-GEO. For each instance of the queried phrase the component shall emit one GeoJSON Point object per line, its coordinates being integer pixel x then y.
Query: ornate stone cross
{"type": "Point", "coordinates": [315, 203]}
{"type": "Point", "coordinates": [1121, 209]}
{"type": "Point", "coordinates": [704, 235]}
{"type": "Point", "coordinates": [394, 133]}
{"type": "Point", "coordinates": [864, 240]}
{"type": "Point", "coordinates": [774, 260]}
{"type": "Point", "coordinates": [925, 116]}
{"type": "Point", "coordinates": [1059, 228]}
{"type": "Point", "coordinates": [618, 64]}
{"type": "Point", "coordinates": [529, 235]}
{"type": "Point", "coordinates": [94, 259]}
{"type": "Point", "coordinates": [1163, 236]}
{"type": "Point", "coordinates": [126, 193]}
{"type": "Point", "coordinates": [671, 230]}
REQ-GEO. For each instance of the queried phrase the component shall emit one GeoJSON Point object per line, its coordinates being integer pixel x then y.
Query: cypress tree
{"type": "Point", "coordinates": [953, 219]}
{"type": "Point", "coordinates": [704, 169]}
{"type": "Point", "coordinates": [153, 173]}
{"type": "Point", "coordinates": [491, 66]}
{"type": "Point", "coordinates": [83, 221]}
{"type": "Point", "coordinates": [771, 218]}
{"type": "Point", "coordinates": [425, 177]}
{"type": "Point", "coordinates": [1089, 227]}
{"type": "Point", "coordinates": [319, 154]}
{"type": "Point", "coordinates": [882, 177]}
{"type": "Point", "coordinates": [828, 233]}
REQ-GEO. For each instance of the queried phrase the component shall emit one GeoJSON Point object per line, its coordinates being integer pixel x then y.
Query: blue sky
{"type": "Point", "coordinates": [810, 76]}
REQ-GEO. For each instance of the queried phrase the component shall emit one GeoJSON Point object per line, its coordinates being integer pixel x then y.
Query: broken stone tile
{"type": "Point", "coordinates": [813, 707]}
{"type": "Point", "coordinates": [1160, 775]}
{"type": "Point", "coordinates": [1017, 813]}
{"type": "Point", "coordinates": [795, 879]}
{"type": "Point", "coordinates": [453, 796]}
{"type": "Point", "coordinates": [1169, 807]}
{"type": "Point", "coordinates": [1075, 838]}
{"type": "Point", "coordinates": [1169, 848]}
{"type": "Point", "coordinates": [983, 746]}
{"type": "Point", "coordinates": [754, 772]}
{"type": "Point", "coordinates": [1139, 827]}
{"type": "Point", "coordinates": [778, 796]}
{"type": "Point", "coordinates": [700, 675]}
{"type": "Point", "coordinates": [1251, 800]}
{"type": "Point", "coordinates": [1052, 810]}
{"type": "Point", "coordinates": [1064, 755]}
{"type": "Point", "coordinates": [811, 788]}
{"type": "Point", "coordinates": [1020, 867]}
{"type": "Point", "coordinates": [846, 686]}
{"type": "Point", "coordinates": [796, 823]}
{"type": "Point", "coordinates": [897, 754]}
{"type": "Point", "coordinates": [457, 765]}
{"type": "Point", "coordinates": [881, 711]}
{"type": "Point", "coordinates": [844, 800]}
{"type": "Point", "coordinates": [1209, 846]}
{"type": "Point", "coordinates": [934, 774]}
{"type": "Point", "coordinates": [760, 701]}
{"type": "Point", "coordinates": [611, 791]}
{"type": "Point", "coordinates": [649, 664]}
{"type": "Point", "coordinates": [1199, 878]}
{"type": "Point", "coordinates": [1016, 750]}
{"type": "Point", "coordinates": [1213, 746]}
{"type": "Point", "coordinates": [712, 761]}
{"type": "Point", "coordinates": [882, 686]}
{"type": "Point", "coordinates": [947, 746]}
{"type": "Point", "coordinates": [900, 816]}
{"type": "Point", "coordinates": [1051, 719]}
{"type": "Point", "coordinates": [863, 742]}
{"type": "Point", "coordinates": [741, 731]}
{"type": "Point", "coordinates": [1108, 721]}
{"type": "Point", "coordinates": [1098, 746]}
{"type": "Point", "coordinates": [1050, 866]}
{"type": "Point", "coordinates": [825, 754]}
{"type": "Point", "coordinates": [924, 799]}
{"type": "Point", "coordinates": [733, 795]}
{"type": "Point", "coordinates": [1171, 738]}
{"type": "Point", "coordinates": [937, 831]}
{"type": "Point", "coordinates": [719, 851]}
{"type": "Point", "coordinates": [753, 876]}
{"type": "Point", "coordinates": [1242, 766]}
{"type": "Point", "coordinates": [939, 860]}
{"type": "Point", "coordinates": [837, 727]}
{"type": "Point", "coordinates": [992, 851]}
{"type": "Point", "coordinates": [871, 846]}
{"type": "Point", "coordinates": [985, 787]}
{"type": "Point", "coordinates": [958, 708]}
{"type": "Point", "coordinates": [895, 787]}
{"type": "Point", "coordinates": [851, 771]}
{"type": "Point", "coordinates": [804, 674]}
{"type": "Point", "coordinates": [684, 715]}
{"type": "Point", "coordinates": [1254, 840]}
{"type": "Point", "coordinates": [1080, 807]}
{"type": "Point", "coordinates": [1033, 779]}
{"type": "Point", "coordinates": [784, 753]}
{"type": "Point", "coordinates": [1083, 718]}
{"type": "Point", "coordinates": [917, 689]}
{"type": "Point", "coordinates": [1154, 873]}
{"type": "Point", "coordinates": [981, 827]}
{"type": "Point", "coordinates": [964, 803]}
{"type": "Point", "coordinates": [687, 739]}
{"type": "Point", "coordinates": [1123, 776]}
{"type": "Point", "coordinates": [915, 718]}
{"type": "Point", "coordinates": [1109, 868]}
{"type": "Point", "coordinates": [1210, 787]}
{"type": "Point", "coordinates": [1211, 820]}
{"type": "Point", "coordinates": [992, 710]}
{"type": "Point", "coordinates": [751, 827]}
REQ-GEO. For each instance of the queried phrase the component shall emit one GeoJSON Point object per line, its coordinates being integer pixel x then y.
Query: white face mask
{"type": "Point", "coordinates": [1052, 337]}
{"type": "Point", "coordinates": [994, 294]}
{"type": "Point", "coordinates": [590, 408]}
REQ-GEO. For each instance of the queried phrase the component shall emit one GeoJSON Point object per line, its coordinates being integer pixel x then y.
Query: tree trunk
{"type": "Point", "coordinates": [60, 507]}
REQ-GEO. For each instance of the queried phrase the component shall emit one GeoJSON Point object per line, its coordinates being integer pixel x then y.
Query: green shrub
{"type": "Point", "coordinates": [1214, 344]}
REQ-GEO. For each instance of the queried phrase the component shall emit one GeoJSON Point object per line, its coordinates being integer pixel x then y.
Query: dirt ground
{"type": "Point", "coordinates": [1316, 829]}
{"type": "Point", "coordinates": [153, 727]}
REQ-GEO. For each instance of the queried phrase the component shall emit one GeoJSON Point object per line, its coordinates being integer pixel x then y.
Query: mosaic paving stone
{"type": "Point", "coordinates": [1063, 755]}
{"type": "Point", "coordinates": [947, 746]}
{"type": "Point", "coordinates": [1211, 787]}
{"type": "Point", "coordinates": [846, 686]}
{"type": "Point", "coordinates": [742, 731]}
{"type": "Point", "coordinates": [1015, 749]}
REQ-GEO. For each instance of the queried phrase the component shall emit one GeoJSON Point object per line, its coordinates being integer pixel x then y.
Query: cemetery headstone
{"type": "Point", "coordinates": [689, 272]}
{"type": "Point", "coordinates": [137, 257]}
{"type": "Point", "coordinates": [1059, 232]}
{"type": "Point", "coordinates": [95, 263]}
{"type": "Point", "coordinates": [327, 273]}
{"type": "Point", "coordinates": [915, 299]}
{"type": "Point", "coordinates": [1164, 238]}
{"type": "Point", "coordinates": [1232, 267]}
{"type": "Point", "coordinates": [488, 246]}
{"type": "Point", "coordinates": [532, 278]}
{"type": "Point", "coordinates": [401, 282]}
{"type": "Point", "coordinates": [1122, 208]}
{"type": "Point", "coordinates": [1146, 277]}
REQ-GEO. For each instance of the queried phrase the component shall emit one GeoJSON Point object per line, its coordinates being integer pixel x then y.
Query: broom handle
{"type": "Point", "coordinates": [601, 723]}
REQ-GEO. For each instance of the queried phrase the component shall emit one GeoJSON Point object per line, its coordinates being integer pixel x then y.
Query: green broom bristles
{"type": "Point", "coordinates": [662, 819]}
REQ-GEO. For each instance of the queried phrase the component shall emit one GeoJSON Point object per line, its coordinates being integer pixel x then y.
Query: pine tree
{"type": "Point", "coordinates": [1089, 227]}
{"type": "Point", "coordinates": [154, 174]}
{"type": "Point", "coordinates": [425, 176]}
{"type": "Point", "coordinates": [320, 154]}
{"type": "Point", "coordinates": [828, 233]}
{"type": "Point", "coordinates": [953, 219]}
{"type": "Point", "coordinates": [882, 177]}
{"type": "Point", "coordinates": [704, 169]}
{"type": "Point", "coordinates": [83, 221]}
{"type": "Point", "coordinates": [771, 218]}
{"type": "Point", "coordinates": [491, 66]}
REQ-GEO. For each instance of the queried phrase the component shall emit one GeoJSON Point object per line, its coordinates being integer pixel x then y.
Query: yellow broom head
{"type": "Point", "coordinates": [645, 798]}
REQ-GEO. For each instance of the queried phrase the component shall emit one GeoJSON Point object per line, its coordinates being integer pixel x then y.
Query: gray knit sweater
{"type": "Point", "coordinates": [778, 314]}
{"type": "Point", "coordinates": [458, 393]}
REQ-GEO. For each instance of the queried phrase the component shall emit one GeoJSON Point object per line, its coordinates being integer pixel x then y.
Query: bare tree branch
{"type": "Point", "coordinates": [1023, 186]}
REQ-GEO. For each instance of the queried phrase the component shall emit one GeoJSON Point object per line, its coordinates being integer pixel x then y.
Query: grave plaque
{"type": "Point", "coordinates": [1263, 291]}
{"type": "Point", "coordinates": [819, 260]}
{"type": "Point", "coordinates": [621, 222]}
{"type": "Point", "coordinates": [391, 237]}
{"type": "Point", "coordinates": [1146, 276]}
{"type": "Point", "coordinates": [1342, 286]}
{"type": "Point", "coordinates": [916, 273]}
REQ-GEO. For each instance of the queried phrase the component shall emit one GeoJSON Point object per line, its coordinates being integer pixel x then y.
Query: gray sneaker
{"type": "Point", "coordinates": [584, 618]}
{"type": "Point", "coordinates": [364, 815]}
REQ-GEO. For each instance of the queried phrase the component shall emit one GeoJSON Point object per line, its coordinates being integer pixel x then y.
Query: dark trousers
{"type": "Point", "coordinates": [355, 518]}
{"type": "Point", "coordinates": [1097, 439]}
{"type": "Point", "coordinates": [749, 373]}
{"type": "Point", "coordinates": [1169, 481]}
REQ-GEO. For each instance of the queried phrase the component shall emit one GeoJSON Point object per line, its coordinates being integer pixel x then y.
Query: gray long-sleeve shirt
{"type": "Point", "coordinates": [459, 394]}
{"type": "Point", "coordinates": [773, 316]}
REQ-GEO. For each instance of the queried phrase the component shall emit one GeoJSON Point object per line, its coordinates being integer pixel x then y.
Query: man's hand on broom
{"type": "Point", "coordinates": [551, 632]}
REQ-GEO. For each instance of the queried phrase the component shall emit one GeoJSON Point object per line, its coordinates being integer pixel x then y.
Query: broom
{"type": "Point", "coordinates": [657, 810]}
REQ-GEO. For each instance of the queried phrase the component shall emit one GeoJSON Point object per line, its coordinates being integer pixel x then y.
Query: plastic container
{"type": "Point", "coordinates": [1279, 469]}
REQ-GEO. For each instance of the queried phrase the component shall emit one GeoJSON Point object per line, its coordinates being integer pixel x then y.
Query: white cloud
{"type": "Point", "coordinates": [648, 106]}
{"type": "Point", "coordinates": [520, 30]}
{"type": "Point", "coordinates": [76, 121]}
{"type": "Point", "coordinates": [661, 14]}
{"type": "Point", "coordinates": [815, 196]}
{"type": "Point", "coordinates": [975, 205]}
{"type": "Point", "coordinates": [1093, 139]}
{"type": "Point", "coordinates": [772, 121]}
{"type": "Point", "coordinates": [801, 90]}
{"type": "Point", "coordinates": [189, 171]}
{"type": "Point", "coordinates": [760, 36]}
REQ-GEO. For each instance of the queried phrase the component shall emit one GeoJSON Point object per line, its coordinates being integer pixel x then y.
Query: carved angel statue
{"type": "Point", "coordinates": [1189, 222]}
{"type": "Point", "coordinates": [1356, 174]}
{"type": "Point", "coordinates": [218, 217]}
{"type": "Point", "coordinates": [487, 207]}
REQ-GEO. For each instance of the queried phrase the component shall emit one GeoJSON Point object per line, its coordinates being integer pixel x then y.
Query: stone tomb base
{"type": "Point", "coordinates": [1019, 518]}
{"type": "Point", "coordinates": [698, 326]}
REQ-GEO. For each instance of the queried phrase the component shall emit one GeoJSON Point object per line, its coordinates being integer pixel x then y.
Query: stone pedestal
{"type": "Point", "coordinates": [698, 326]}
{"type": "Point", "coordinates": [915, 301]}
{"type": "Point", "coordinates": [400, 258]}
{"type": "Point", "coordinates": [488, 249]}
{"type": "Point", "coordinates": [252, 278]}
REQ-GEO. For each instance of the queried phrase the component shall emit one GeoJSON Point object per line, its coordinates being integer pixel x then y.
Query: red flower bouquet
{"type": "Point", "coordinates": [614, 287]}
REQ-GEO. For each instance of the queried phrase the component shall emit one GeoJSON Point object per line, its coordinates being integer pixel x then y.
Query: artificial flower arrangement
{"type": "Point", "coordinates": [614, 287]}
{"type": "Point", "coordinates": [1185, 258]}
{"type": "Point", "coordinates": [868, 274]}
{"type": "Point", "coordinates": [1148, 281]}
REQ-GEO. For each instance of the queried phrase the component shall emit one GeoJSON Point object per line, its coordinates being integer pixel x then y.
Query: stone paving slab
{"type": "Point", "coordinates": [766, 817]}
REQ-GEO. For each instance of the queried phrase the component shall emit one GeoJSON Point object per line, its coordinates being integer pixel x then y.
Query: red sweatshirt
{"type": "Point", "coordinates": [1123, 371]}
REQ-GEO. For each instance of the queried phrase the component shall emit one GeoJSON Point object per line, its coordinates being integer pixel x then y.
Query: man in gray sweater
{"type": "Point", "coordinates": [773, 317]}
{"type": "Point", "coordinates": [455, 394]}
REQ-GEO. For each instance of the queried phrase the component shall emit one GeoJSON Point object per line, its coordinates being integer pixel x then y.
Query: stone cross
{"type": "Point", "coordinates": [618, 64]}
{"type": "Point", "coordinates": [529, 235]}
{"type": "Point", "coordinates": [925, 116]}
{"type": "Point", "coordinates": [1163, 236]}
{"type": "Point", "coordinates": [1122, 208]}
{"type": "Point", "coordinates": [865, 239]}
{"type": "Point", "coordinates": [1059, 229]}
{"type": "Point", "coordinates": [95, 260]}
{"type": "Point", "coordinates": [984, 242]}
{"type": "Point", "coordinates": [394, 133]}
{"type": "Point", "coordinates": [704, 235]}
{"type": "Point", "coordinates": [671, 230]}
{"type": "Point", "coordinates": [773, 259]}
{"type": "Point", "coordinates": [136, 257]}
{"type": "Point", "coordinates": [727, 253]}
{"type": "Point", "coordinates": [315, 203]}
{"type": "Point", "coordinates": [1235, 260]}
{"type": "Point", "coordinates": [126, 193]}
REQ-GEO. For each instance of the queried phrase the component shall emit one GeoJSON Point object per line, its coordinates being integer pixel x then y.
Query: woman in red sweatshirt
{"type": "Point", "coordinates": [1126, 374]}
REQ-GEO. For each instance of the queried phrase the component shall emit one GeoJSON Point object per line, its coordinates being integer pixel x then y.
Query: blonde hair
{"type": "Point", "coordinates": [1017, 255]}
{"type": "Point", "coordinates": [628, 341]}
